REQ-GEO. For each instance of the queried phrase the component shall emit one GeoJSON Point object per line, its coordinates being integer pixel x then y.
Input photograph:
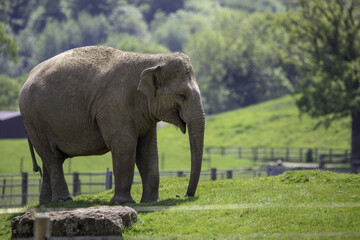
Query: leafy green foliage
{"type": "Point", "coordinates": [175, 38]}
{"type": "Point", "coordinates": [9, 92]}
{"type": "Point", "coordinates": [326, 35]}
{"type": "Point", "coordinates": [239, 67]}
{"type": "Point", "coordinates": [7, 46]}
{"type": "Point", "coordinates": [128, 19]}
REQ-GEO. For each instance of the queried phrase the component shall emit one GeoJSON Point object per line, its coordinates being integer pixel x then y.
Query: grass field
{"type": "Point", "coordinates": [274, 123]}
{"type": "Point", "coordinates": [295, 205]}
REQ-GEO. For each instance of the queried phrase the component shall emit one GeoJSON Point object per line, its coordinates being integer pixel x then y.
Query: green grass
{"type": "Point", "coordinates": [297, 204]}
{"type": "Point", "coordinates": [274, 123]}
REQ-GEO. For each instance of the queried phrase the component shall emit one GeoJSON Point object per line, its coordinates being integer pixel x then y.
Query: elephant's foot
{"type": "Point", "coordinates": [151, 197]}
{"type": "Point", "coordinates": [122, 200]}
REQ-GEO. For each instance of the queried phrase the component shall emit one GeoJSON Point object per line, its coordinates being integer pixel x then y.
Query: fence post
{"type": "Point", "coordinates": [108, 183]}
{"type": "Point", "coordinates": [3, 188]}
{"type": "Point", "coordinates": [24, 188]}
{"type": "Point", "coordinates": [239, 152]}
{"type": "Point", "coordinates": [76, 184]}
{"type": "Point", "coordinates": [287, 154]}
{"type": "Point", "coordinates": [316, 155]}
{"type": "Point", "coordinates": [255, 153]}
{"type": "Point", "coordinates": [223, 151]}
{"type": "Point", "coordinates": [213, 174]}
{"type": "Point", "coordinates": [229, 174]}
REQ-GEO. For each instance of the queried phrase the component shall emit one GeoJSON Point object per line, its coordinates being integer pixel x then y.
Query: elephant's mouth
{"type": "Point", "coordinates": [175, 118]}
{"type": "Point", "coordinates": [182, 124]}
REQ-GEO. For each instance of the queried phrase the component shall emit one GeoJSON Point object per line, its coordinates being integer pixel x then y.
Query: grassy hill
{"type": "Point", "coordinates": [274, 123]}
{"type": "Point", "coordinates": [295, 205]}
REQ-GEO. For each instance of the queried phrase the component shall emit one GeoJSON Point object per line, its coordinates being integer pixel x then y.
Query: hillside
{"type": "Point", "coordinates": [275, 123]}
{"type": "Point", "coordinates": [294, 205]}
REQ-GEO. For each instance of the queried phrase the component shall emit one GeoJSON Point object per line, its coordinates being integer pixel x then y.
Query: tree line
{"type": "Point", "coordinates": [243, 52]}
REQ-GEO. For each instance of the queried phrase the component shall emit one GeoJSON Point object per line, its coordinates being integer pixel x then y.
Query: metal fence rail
{"type": "Point", "coordinates": [283, 153]}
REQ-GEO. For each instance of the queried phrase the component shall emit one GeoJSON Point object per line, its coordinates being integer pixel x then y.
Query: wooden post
{"type": "Point", "coordinates": [287, 154]}
{"type": "Point", "coordinates": [239, 152]}
{"type": "Point", "coordinates": [108, 183]}
{"type": "Point", "coordinates": [3, 188]}
{"type": "Point", "coordinates": [255, 153]}
{"type": "Point", "coordinates": [213, 174]}
{"type": "Point", "coordinates": [24, 188]}
{"type": "Point", "coordinates": [222, 151]}
{"type": "Point", "coordinates": [229, 174]}
{"type": "Point", "coordinates": [76, 184]}
{"type": "Point", "coordinates": [42, 227]}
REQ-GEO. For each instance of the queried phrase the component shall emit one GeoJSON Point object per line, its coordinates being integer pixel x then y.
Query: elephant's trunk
{"type": "Point", "coordinates": [196, 129]}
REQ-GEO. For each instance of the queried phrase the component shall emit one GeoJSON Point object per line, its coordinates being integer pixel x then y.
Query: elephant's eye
{"type": "Point", "coordinates": [181, 97]}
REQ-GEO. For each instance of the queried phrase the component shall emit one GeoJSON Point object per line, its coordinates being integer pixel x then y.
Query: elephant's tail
{"type": "Point", "coordinates": [35, 165]}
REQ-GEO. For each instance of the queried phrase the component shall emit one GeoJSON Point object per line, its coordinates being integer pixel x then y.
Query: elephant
{"type": "Point", "coordinates": [95, 99]}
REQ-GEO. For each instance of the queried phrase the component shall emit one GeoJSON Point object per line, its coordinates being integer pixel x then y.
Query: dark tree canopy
{"type": "Point", "coordinates": [326, 35]}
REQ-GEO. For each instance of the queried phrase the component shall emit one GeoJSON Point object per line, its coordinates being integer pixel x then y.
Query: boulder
{"type": "Point", "coordinates": [93, 221]}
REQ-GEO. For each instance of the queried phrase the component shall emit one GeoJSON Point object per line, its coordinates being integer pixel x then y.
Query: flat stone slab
{"type": "Point", "coordinates": [93, 221]}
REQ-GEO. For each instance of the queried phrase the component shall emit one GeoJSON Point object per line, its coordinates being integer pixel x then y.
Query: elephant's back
{"type": "Point", "coordinates": [58, 95]}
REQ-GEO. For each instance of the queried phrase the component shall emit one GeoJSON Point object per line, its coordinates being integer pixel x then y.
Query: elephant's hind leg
{"type": "Point", "coordinates": [59, 188]}
{"type": "Point", "coordinates": [45, 193]}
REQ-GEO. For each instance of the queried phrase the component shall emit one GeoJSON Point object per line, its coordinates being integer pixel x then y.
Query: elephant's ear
{"type": "Point", "coordinates": [150, 81]}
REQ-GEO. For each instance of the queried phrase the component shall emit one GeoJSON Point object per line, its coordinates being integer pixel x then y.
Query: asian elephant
{"type": "Point", "coordinates": [91, 100]}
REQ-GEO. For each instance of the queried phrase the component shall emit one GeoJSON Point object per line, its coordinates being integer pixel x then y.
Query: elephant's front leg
{"type": "Point", "coordinates": [147, 163]}
{"type": "Point", "coordinates": [123, 157]}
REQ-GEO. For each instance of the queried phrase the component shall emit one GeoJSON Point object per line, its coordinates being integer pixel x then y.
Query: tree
{"type": "Point", "coordinates": [186, 23]}
{"type": "Point", "coordinates": [326, 34]}
{"type": "Point", "coordinates": [93, 7]}
{"type": "Point", "coordinates": [16, 13]}
{"type": "Point", "coordinates": [9, 92]}
{"type": "Point", "coordinates": [7, 46]}
{"type": "Point", "coordinates": [235, 61]}
{"type": "Point", "coordinates": [151, 7]}
{"type": "Point", "coordinates": [128, 19]}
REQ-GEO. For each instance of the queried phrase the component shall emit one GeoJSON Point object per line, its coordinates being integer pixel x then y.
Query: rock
{"type": "Point", "coordinates": [93, 221]}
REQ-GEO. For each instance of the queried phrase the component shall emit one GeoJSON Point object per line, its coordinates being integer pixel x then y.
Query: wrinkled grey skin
{"type": "Point", "coordinates": [91, 100]}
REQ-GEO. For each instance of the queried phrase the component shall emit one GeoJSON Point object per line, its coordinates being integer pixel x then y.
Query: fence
{"type": "Point", "coordinates": [285, 154]}
{"type": "Point", "coordinates": [22, 189]}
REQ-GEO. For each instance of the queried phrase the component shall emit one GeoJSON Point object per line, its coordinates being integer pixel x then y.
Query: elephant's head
{"type": "Point", "coordinates": [174, 97]}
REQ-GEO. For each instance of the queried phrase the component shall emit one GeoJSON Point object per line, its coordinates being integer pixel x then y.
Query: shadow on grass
{"type": "Point", "coordinates": [84, 202]}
